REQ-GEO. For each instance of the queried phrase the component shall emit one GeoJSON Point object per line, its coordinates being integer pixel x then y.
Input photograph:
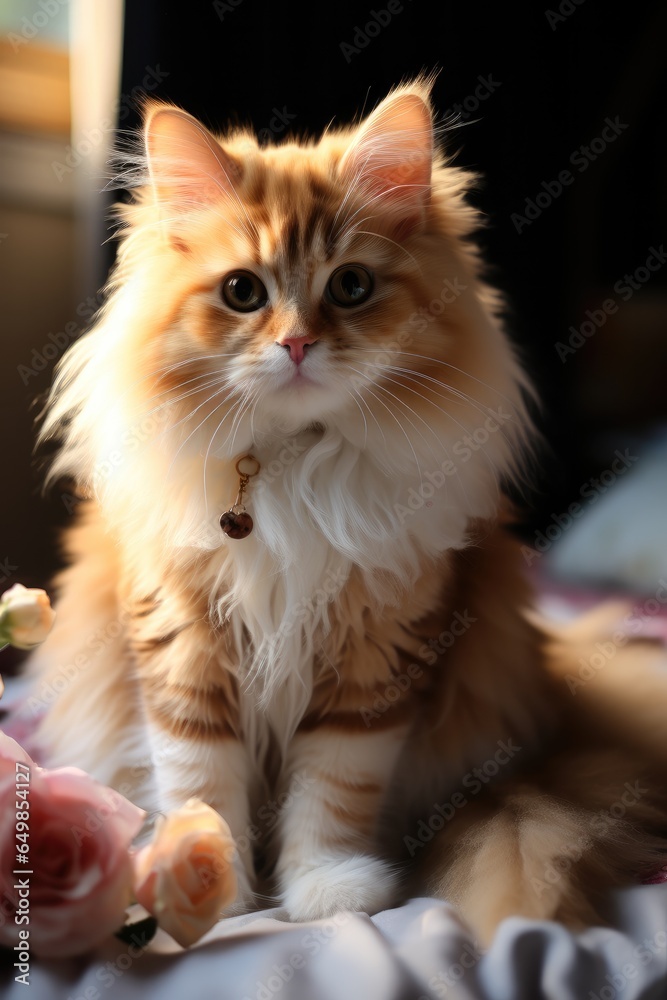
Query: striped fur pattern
{"type": "Point", "coordinates": [320, 681]}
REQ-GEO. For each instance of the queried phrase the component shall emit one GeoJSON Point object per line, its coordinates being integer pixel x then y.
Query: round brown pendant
{"type": "Point", "coordinates": [236, 525]}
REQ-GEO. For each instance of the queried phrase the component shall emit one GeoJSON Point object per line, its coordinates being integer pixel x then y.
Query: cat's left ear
{"type": "Point", "coordinates": [188, 166]}
{"type": "Point", "coordinates": [392, 156]}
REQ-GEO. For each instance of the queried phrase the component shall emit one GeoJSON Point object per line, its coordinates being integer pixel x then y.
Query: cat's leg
{"type": "Point", "coordinates": [339, 775]}
{"type": "Point", "coordinates": [214, 767]}
{"type": "Point", "coordinates": [342, 762]}
{"type": "Point", "coordinates": [196, 747]}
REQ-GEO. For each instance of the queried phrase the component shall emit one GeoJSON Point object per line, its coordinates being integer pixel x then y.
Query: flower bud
{"type": "Point", "coordinates": [26, 616]}
{"type": "Point", "coordinates": [185, 876]}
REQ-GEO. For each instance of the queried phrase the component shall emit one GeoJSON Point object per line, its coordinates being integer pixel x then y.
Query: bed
{"type": "Point", "coordinates": [418, 951]}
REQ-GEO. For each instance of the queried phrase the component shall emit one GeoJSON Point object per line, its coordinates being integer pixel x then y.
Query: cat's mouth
{"type": "Point", "coordinates": [297, 398]}
{"type": "Point", "coordinates": [299, 379]}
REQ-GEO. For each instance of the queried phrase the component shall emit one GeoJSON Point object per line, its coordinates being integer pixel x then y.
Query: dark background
{"type": "Point", "coordinates": [558, 72]}
{"type": "Point", "coordinates": [561, 75]}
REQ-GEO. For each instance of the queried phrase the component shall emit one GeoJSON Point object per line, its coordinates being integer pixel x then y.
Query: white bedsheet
{"type": "Point", "coordinates": [418, 951]}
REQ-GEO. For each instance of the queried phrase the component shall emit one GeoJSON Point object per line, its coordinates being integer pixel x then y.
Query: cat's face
{"type": "Point", "coordinates": [310, 282]}
{"type": "Point", "coordinates": [304, 290]}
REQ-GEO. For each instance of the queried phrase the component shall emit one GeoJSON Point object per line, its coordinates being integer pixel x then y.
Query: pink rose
{"type": "Point", "coordinates": [185, 876]}
{"type": "Point", "coordinates": [78, 835]}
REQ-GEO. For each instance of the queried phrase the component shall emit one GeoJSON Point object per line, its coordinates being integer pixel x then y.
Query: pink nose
{"type": "Point", "coordinates": [296, 347]}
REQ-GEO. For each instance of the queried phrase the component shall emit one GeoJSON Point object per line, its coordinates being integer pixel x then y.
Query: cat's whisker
{"type": "Point", "coordinates": [459, 396]}
{"type": "Point", "coordinates": [515, 414]}
{"type": "Point", "coordinates": [410, 409]}
{"type": "Point", "coordinates": [211, 377]}
{"type": "Point", "coordinates": [191, 413]}
{"type": "Point", "coordinates": [243, 232]}
{"type": "Point", "coordinates": [352, 189]}
{"type": "Point", "coordinates": [378, 236]}
{"type": "Point", "coordinates": [243, 409]}
{"type": "Point", "coordinates": [363, 415]}
{"type": "Point", "coordinates": [450, 417]}
{"type": "Point", "coordinates": [346, 198]}
{"type": "Point", "coordinates": [238, 411]}
{"type": "Point", "coordinates": [454, 420]}
{"type": "Point", "coordinates": [461, 371]}
{"type": "Point", "coordinates": [469, 402]}
{"type": "Point", "coordinates": [354, 230]}
{"type": "Point", "coordinates": [160, 223]}
{"type": "Point", "coordinates": [437, 458]}
{"type": "Point", "coordinates": [223, 382]}
{"type": "Point", "coordinates": [370, 411]}
{"type": "Point", "coordinates": [248, 393]}
{"type": "Point", "coordinates": [425, 398]}
{"type": "Point", "coordinates": [405, 433]}
{"type": "Point", "coordinates": [250, 228]}
{"type": "Point", "coordinates": [252, 417]}
{"type": "Point", "coordinates": [349, 220]}
{"type": "Point", "coordinates": [346, 223]}
{"type": "Point", "coordinates": [200, 424]}
{"type": "Point", "coordinates": [165, 369]}
{"type": "Point", "coordinates": [225, 189]}
{"type": "Point", "coordinates": [246, 402]}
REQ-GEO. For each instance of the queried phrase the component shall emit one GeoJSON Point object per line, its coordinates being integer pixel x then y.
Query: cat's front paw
{"type": "Point", "coordinates": [357, 882]}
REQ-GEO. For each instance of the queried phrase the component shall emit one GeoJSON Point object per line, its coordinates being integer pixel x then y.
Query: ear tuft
{"type": "Point", "coordinates": [188, 167]}
{"type": "Point", "coordinates": [392, 154]}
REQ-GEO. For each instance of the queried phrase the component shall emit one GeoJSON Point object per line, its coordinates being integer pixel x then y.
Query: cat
{"type": "Point", "coordinates": [314, 315]}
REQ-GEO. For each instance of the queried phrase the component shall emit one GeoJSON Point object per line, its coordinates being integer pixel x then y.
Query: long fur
{"type": "Point", "coordinates": [239, 666]}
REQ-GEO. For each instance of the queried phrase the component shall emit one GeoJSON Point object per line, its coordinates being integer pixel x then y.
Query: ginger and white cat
{"type": "Point", "coordinates": [319, 305]}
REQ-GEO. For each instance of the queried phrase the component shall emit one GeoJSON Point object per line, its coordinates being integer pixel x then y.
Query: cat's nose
{"type": "Point", "coordinates": [296, 347]}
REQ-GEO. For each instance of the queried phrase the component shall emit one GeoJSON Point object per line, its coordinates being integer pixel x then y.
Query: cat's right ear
{"type": "Point", "coordinates": [188, 167]}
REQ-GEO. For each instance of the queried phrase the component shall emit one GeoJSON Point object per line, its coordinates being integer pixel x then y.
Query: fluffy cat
{"type": "Point", "coordinates": [320, 306]}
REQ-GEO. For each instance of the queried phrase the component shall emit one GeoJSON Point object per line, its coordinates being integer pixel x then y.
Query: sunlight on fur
{"type": "Point", "coordinates": [320, 305]}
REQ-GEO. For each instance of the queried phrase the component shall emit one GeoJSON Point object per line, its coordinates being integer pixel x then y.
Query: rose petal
{"type": "Point", "coordinates": [11, 751]}
{"type": "Point", "coordinates": [184, 877]}
{"type": "Point", "coordinates": [110, 806]}
{"type": "Point", "coordinates": [70, 929]}
{"type": "Point", "coordinates": [80, 834]}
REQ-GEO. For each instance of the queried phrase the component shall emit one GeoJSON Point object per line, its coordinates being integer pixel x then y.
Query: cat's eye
{"type": "Point", "coordinates": [244, 292]}
{"type": "Point", "coordinates": [350, 285]}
